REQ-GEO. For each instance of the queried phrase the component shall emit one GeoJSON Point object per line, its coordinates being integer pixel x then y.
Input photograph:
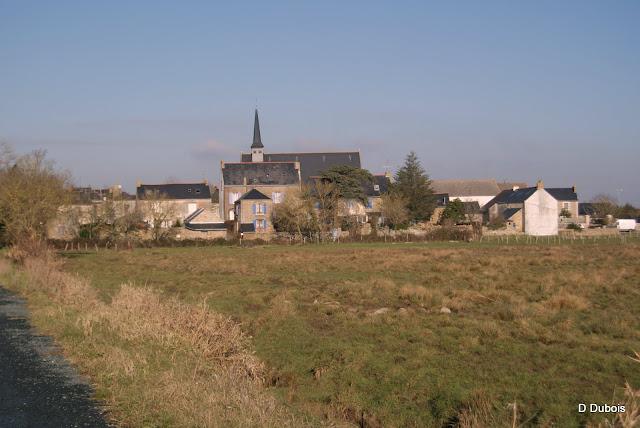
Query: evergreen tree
{"type": "Point", "coordinates": [453, 213]}
{"type": "Point", "coordinates": [414, 185]}
{"type": "Point", "coordinates": [348, 181]}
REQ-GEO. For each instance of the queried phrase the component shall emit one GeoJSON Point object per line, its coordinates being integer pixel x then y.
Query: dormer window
{"type": "Point", "coordinates": [376, 187]}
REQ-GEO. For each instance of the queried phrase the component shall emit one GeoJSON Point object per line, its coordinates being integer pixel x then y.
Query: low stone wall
{"type": "Point", "coordinates": [184, 233]}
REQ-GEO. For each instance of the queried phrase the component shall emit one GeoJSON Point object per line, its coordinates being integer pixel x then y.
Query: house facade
{"type": "Point", "coordinates": [567, 201]}
{"type": "Point", "coordinates": [184, 198]}
{"type": "Point", "coordinates": [253, 214]}
{"type": "Point", "coordinates": [532, 210]}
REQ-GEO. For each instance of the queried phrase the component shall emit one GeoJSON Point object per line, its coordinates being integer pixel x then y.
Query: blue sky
{"type": "Point", "coordinates": [120, 91]}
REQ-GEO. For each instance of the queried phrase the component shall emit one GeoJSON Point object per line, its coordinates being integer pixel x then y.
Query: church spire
{"type": "Point", "coordinates": [257, 141]}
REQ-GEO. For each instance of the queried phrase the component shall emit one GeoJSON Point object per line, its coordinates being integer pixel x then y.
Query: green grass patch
{"type": "Point", "coordinates": [545, 326]}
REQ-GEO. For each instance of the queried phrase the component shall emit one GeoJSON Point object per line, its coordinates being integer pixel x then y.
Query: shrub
{"type": "Point", "coordinates": [453, 212]}
{"type": "Point", "coordinates": [497, 223]}
{"type": "Point", "coordinates": [574, 226]}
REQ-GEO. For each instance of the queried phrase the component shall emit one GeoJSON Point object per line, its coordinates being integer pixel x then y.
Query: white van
{"type": "Point", "coordinates": [626, 224]}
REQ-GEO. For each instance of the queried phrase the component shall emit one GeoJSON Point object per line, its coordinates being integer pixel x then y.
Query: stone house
{"type": "Point", "coordinates": [272, 179]}
{"type": "Point", "coordinates": [567, 200]}
{"type": "Point", "coordinates": [252, 215]}
{"type": "Point", "coordinates": [532, 210]}
{"type": "Point", "coordinates": [481, 191]}
{"type": "Point", "coordinates": [184, 198]}
{"type": "Point", "coordinates": [373, 205]}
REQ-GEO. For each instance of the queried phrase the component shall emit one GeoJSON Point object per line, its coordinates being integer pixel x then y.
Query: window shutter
{"type": "Point", "coordinates": [264, 208]}
{"type": "Point", "coordinates": [253, 208]}
{"type": "Point", "coordinates": [255, 223]}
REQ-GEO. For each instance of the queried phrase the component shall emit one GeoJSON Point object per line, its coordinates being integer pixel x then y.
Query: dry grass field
{"type": "Point", "coordinates": [350, 334]}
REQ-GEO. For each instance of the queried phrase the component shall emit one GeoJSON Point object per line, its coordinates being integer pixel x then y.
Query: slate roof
{"type": "Point", "coordinates": [204, 227]}
{"type": "Point", "coordinates": [466, 187]}
{"type": "Point", "coordinates": [257, 140]}
{"type": "Point", "coordinates": [176, 190]}
{"type": "Point", "coordinates": [521, 195]}
{"type": "Point", "coordinates": [472, 207]}
{"type": "Point", "coordinates": [382, 183]}
{"type": "Point", "coordinates": [586, 208]}
{"type": "Point", "coordinates": [562, 193]}
{"type": "Point", "coordinates": [311, 164]}
{"type": "Point", "coordinates": [247, 227]}
{"type": "Point", "coordinates": [253, 194]}
{"type": "Point", "coordinates": [509, 212]}
{"type": "Point", "coordinates": [509, 185]}
{"type": "Point", "coordinates": [266, 173]}
{"type": "Point", "coordinates": [512, 196]}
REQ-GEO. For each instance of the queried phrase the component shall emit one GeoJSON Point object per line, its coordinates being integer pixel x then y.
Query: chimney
{"type": "Point", "coordinates": [514, 188]}
{"type": "Point", "coordinates": [138, 183]}
{"type": "Point", "coordinates": [573, 188]}
{"type": "Point", "coordinates": [540, 184]}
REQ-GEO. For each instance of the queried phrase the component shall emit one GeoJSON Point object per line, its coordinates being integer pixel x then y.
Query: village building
{"type": "Point", "coordinates": [531, 210]}
{"type": "Point", "coordinates": [184, 198]}
{"type": "Point", "coordinates": [567, 201]}
{"type": "Point", "coordinates": [272, 175]}
{"type": "Point", "coordinates": [252, 214]}
{"type": "Point", "coordinates": [480, 191]}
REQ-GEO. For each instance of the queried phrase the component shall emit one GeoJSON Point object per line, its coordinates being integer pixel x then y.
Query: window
{"type": "Point", "coordinates": [276, 197]}
{"type": "Point", "coordinates": [369, 202]}
{"type": "Point", "coordinates": [260, 224]}
{"type": "Point", "coordinates": [376, 187]}
{"type": "Point", "coordinates": [259, 208]}
{"type": "Point", "coordinates": [565, 205]}
{"type": "Point", "coordinates": [233, 196]}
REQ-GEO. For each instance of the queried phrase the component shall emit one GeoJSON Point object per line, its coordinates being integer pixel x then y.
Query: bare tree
{"type": "Point", "coordinates": [31, 192]}
{"type": "Point", "coordinates": [130, 222]}
{"type": "Point", "coordinates": [295, 214]}
{"type": "Point", "coordinates": [604, 205]}
{"type": "Point", "coordinates": [328, 203]}
{"type": "Point", "coordinates": [394, 209]}
{"type": "Point", "coordinates": [7, 156]}
{"type": "Point", "coordinates": [159, 212]}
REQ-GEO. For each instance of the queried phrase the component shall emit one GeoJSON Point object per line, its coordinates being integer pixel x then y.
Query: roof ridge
{"type": "Point", "coordinates": [306, 153]}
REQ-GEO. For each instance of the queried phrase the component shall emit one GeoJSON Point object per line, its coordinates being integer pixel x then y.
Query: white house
{"type": "Point", "coordinates": [531, 210]}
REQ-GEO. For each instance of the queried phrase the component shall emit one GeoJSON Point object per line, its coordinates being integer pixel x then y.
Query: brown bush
{"type": "Point", "coordinates": [214, 380]}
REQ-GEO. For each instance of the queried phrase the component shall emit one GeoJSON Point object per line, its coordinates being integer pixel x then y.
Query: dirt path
{"type": "Point", "coordinates": [38, 388]}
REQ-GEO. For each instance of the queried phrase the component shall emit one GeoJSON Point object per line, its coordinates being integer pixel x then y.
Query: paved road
{"type": "Point", "coordinates": [38, 388]}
